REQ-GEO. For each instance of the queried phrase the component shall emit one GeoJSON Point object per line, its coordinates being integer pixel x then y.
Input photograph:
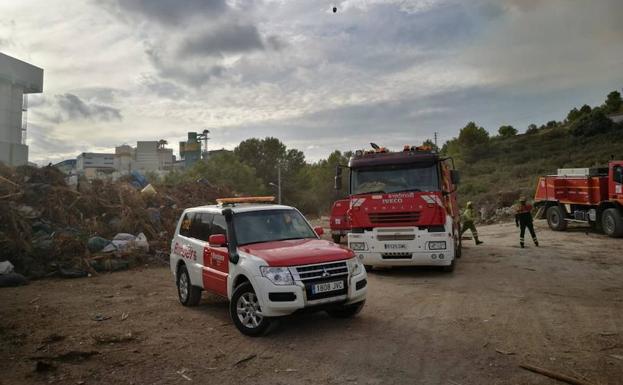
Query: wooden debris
{"type": "Point", "coordinates": [245, 359]}
{"type": "Point", "coordinates": [556, 376]}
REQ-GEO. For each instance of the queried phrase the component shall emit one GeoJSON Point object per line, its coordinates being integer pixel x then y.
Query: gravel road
{"type": "Point", "coordinates": [559, 307]}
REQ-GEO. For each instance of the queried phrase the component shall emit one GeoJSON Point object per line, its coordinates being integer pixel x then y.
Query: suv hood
{"type": "Point", "coordinates": [298, 252]}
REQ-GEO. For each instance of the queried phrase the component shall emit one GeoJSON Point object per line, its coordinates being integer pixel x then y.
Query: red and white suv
{"type": "Point", "coordinates": [266, 259]}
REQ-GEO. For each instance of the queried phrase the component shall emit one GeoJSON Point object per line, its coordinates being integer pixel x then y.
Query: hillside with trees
{"type": "Point", "coordinates": [508, 164]}
{"type": "Point", "coordinates": [492, 167]}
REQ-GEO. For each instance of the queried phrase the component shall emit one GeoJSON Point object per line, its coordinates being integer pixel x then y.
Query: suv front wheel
{"type": "Point", "coordinates": [246, 312]}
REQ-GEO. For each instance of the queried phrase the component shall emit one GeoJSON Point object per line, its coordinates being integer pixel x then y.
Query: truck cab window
{"type": "Point", "coordinates": [395, 178]}
{"type": "Point", "coordinates": [617, 174]}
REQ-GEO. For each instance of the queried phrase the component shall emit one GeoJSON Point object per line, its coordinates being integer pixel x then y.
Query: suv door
{"type": "Point", "coordinates": [216, 260]}
{"type": "Point", "coordinates": [197, 238]}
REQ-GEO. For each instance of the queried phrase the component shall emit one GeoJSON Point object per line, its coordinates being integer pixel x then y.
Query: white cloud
{"type": "Point", "coordinates": [295, 70]}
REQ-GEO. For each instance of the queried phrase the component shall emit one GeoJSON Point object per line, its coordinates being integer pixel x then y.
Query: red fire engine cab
{"type": "Point", "coordinates": [401, 208]}
{"type": "Point", "coordinates": [586, 195]}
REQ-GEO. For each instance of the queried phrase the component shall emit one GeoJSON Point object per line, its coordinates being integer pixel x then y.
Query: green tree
{"type": "Point", "coordinates": [573, 115]}
{"type": "Point", "coordinates": [507, 131]}
{"type": "Point", "coordinates": [613, 102]}
{"type": "Point", "coordinates": [472, 135]}
{"type": "Point", "coordinates": [226, 170]}
{"type": "Point", "coordinates": [431, 144]}
{"type": "Point", "coordinates": [591, 124]}
{"type": "Point", "coordinates": [585, 109]}
{"type": "Point", "coordinates": [532, 129]}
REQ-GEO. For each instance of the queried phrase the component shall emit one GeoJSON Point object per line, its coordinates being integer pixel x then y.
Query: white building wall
{"type": "Point", "coordinates": [16, 79]}
{"type": "Point", "coordinates": [147, 156]}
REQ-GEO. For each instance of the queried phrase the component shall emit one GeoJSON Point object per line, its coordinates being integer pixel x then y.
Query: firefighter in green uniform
{"type": "Point", "coordinates": [523, 220]}
{"type": "Point", "coordinates": [467, 216]}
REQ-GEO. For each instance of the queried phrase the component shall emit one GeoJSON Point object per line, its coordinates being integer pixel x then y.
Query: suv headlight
{"type": "Point", "coordinates": [355, 266]}
{"type": "Point", "coordinates": [357, 246]}
{"type": "Point", "coordinates": [277, 275]}
{"type": "Point", "coordinates": [437, 245]}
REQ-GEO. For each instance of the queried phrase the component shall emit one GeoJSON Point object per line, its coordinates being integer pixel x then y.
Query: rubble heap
{"type": "Point", "coordinates": [46, 225]}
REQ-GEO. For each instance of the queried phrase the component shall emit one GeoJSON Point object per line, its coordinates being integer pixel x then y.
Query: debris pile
{"type": "Point", "coordinates": [50, 228]}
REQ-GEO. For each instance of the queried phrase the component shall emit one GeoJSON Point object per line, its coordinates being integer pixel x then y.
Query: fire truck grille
{"type": "Point", "coordinates": [395, 237]}
{"type": "Point", "coordinates": [396, 255]}
{"type": "Point", "coordinates": [314, 272]}
{"type": "Point", "coordinates": [405, 217]}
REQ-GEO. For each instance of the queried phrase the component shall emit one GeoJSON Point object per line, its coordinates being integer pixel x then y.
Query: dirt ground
{"type": "Point", "coordinates": [559, 307]}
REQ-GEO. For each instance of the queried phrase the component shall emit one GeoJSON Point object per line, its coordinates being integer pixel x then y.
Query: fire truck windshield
{"type": "Point", "coordinates": [394, 178]}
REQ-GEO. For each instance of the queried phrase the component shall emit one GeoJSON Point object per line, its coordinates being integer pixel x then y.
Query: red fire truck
{"type": "Point", "coordinates": [401, 209]}
{"type": "Point", "coordinates": [586, 195]}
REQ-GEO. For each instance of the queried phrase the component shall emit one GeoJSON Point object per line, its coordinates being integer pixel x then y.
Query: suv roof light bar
{"type": "Point", "coordinates": [232, 201]}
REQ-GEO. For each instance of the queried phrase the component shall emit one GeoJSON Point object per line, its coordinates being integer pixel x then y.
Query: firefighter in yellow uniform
{"type": "Point", "coordinates": [467, 217]}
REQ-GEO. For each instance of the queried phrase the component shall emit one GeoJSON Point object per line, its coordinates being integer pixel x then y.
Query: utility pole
{"type": "Point", "coordinates": [436, 140]}
{"type": "Point", "coordinates": [279, 183]}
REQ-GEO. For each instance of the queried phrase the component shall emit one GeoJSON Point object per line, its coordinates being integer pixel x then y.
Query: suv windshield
{"type": "Point", "coordinates": [394, 178]}
{"type": "Point", "coordinates": [271, 225]}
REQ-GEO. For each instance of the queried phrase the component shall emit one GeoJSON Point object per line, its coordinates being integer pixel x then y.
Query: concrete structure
{"type": "Point", "coordinates": [616, 118]}
{"type": "Point", "coordinates": [148, 156]}
{"type": "Point", "coordinates": [67, 166]}
{"type": "Point", "coordinates": [17, 79]}
{"type": "Point", "coordinates": [153, 156]}
{"type": "Point", "coordinates": [190, 150]}
{"type": "Point", "coordinates": [95, 165]}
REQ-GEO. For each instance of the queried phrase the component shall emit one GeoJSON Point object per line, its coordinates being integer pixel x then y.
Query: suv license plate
{"type": "Point", "coordinates": [327, 286]}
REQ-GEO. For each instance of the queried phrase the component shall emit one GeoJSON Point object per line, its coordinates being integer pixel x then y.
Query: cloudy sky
{"type": "Point", "coordinates": [392, 72]}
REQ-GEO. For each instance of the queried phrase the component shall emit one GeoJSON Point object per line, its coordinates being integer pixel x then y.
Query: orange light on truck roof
{"type": "Point", "coordinates": [264, 199]}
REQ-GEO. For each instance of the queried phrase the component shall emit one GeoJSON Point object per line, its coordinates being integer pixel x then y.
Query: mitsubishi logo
{"type": "Point", "coordinates": [325, 273]}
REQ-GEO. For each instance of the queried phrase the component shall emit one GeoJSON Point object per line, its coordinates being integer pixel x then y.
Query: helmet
{"type": "Point", "coordinates": [469, 205]}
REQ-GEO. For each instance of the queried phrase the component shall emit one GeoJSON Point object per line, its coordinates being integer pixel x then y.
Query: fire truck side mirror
{"type": "Point", "coordinates": [455, 177]}
{"type": "Point", "coordinates": [338, 178]}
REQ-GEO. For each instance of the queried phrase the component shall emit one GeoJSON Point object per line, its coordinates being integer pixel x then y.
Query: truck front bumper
{"type": "Point", "coordinates": [405, 246]}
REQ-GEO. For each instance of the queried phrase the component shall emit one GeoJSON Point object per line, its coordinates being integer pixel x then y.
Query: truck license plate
{"type": "Point", "coordinates": [327, 286]}
{"type": "Point", "coordinates": [395, 246]}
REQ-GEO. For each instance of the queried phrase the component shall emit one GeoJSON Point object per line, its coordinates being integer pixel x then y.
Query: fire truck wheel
{"type": "Point", "coordinates": [612, 223]}
{"type": "Point", "coordinates": [188, 294]}
{"type": "Point", "coordinates": [346, 311]}
{"type": "Point", "coordinates": [336, 238]}
{"type": "Point", "coordinates": [556, 218]}
{"type": "Point", "coordinates": [246, 313]}
{"type": "Point", "coordinates": [450, 267]}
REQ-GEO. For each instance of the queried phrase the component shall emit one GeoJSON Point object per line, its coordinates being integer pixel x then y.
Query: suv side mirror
{"type": "Point", "coordinates": [319, 230]}
{"type": "Point", "coordinates": [338, 178]}
{"type": "Point", "coordinates": [455, 177]}
{"type": "Point", "coordinates": [217, 240]}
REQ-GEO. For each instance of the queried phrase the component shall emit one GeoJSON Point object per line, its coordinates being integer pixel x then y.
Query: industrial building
{"type": "Point", "coordinates": [17, 80]}
{"type": "Point", "coordinates": [147, 156]}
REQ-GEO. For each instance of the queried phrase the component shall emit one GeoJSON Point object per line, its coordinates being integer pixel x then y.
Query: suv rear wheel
{"type": "Point", "coordinates": [246, 313]}
{"type": "Point", "coordinates": [346, 311]}
{"type": "Point", "coordinates": [188, 294]}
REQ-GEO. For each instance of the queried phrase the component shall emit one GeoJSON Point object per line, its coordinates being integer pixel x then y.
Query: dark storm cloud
{"type": "Point", "coordinates": [173, 12]}
{"type": "Point", "coordinates": [193, 74]}
{"type": "Point", "coordinates": [72, 107]}
{"type": "Point", "coordinates": [229, 38]}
